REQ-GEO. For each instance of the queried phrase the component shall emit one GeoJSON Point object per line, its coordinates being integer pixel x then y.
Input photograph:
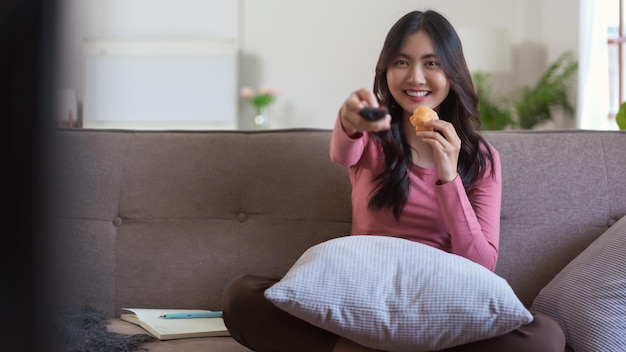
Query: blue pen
{"type": "Point", "coordinates": [192, 315]}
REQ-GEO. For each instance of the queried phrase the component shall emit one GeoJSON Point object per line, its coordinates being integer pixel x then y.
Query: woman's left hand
{"type": "Point", "coordinates": [446, 146]}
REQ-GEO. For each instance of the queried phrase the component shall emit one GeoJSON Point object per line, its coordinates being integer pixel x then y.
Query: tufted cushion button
{"type": "Point", "coordinates": [117, 221]}
{"type": "Point", "coordinates": [242, 217]}
{"type": "Point", "coordinates": [611, 222]}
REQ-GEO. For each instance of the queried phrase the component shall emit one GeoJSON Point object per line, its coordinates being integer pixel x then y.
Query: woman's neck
{"type": "Point", "coordinates": [421, 152]}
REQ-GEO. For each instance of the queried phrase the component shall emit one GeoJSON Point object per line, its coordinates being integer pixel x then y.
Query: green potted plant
{"type": "Point", "coordinates": [533, 105]}
{"type": "Point", "coordinates": [494, 112]}
{"type": "Point", "coordinates": [536, 103]}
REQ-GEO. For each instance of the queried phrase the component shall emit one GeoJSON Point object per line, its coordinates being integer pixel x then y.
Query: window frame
{"type": "Point", "coordinates": [620, 41]}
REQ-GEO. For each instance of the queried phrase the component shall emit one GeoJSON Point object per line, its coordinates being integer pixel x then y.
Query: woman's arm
{"type": "Point", "coordinates": [346, 150]}
{"type": "Point", "coordinates": [349, 137]}
{"type": "Point", "coordinates": [474, 220]}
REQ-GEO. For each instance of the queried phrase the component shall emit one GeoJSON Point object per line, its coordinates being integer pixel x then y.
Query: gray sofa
{"type": "Point", "coordinates": [159, 219]}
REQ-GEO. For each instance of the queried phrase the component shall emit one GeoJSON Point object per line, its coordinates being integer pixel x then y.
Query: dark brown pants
{"type": "Point", "coordinates": [256, 323]}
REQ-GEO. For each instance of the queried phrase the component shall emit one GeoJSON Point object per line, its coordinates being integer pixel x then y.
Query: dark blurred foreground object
{"type": "Point", "coordinates": [27, 70]}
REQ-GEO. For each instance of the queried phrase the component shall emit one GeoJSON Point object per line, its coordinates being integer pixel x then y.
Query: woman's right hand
{"type": "Point", "coordinates": [352, 122]}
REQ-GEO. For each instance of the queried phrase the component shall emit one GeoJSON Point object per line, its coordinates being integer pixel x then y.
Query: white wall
{"type": "Point", "coordinates": [317, 52]}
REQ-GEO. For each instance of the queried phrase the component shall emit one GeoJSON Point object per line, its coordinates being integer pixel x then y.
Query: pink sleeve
{"type": "Point", "coordinates": [474, 220]}
{"type": "Point", "coordinates": [345, 150]}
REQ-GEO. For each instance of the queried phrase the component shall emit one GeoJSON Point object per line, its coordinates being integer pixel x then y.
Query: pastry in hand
{"type": "Point", "coordinates": [422, 114]}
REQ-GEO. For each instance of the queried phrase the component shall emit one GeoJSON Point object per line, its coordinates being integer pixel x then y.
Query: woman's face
{"type": "Point", "coordinates": [415, 77]}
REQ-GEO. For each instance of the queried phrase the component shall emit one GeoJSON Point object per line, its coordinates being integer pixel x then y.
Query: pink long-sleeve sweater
{"type": "Point", "coordinates": [440, 215]}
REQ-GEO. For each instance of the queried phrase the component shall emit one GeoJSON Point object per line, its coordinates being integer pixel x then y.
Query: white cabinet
{"type": "Point", "coordinates": [160, 64]}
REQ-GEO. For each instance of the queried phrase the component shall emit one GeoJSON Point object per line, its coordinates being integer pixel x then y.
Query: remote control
{"type": "Point", "coordinates": [373, 114]}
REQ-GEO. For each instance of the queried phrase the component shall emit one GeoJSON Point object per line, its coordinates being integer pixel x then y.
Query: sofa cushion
{"type": "Point", "coordinates": [588, 297]}
{"type": "Point", "coordinates": [395, 294]}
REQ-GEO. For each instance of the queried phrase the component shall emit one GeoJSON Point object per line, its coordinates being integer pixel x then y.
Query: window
{"type": "Point", "coordinates": [617, 60]}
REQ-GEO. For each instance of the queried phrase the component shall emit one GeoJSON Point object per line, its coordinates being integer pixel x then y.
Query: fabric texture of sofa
{"type": "Point", "coordinates": [165, 219]}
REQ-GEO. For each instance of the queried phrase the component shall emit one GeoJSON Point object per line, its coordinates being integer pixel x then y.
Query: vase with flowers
{"type": "Point", "coordinates": [260, 100]}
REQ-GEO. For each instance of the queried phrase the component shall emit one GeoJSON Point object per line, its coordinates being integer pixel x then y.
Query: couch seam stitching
{"type": "Point", "coordinates": [606, 178]}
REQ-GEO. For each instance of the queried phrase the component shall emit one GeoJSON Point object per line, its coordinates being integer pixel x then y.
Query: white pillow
{"type": "Point", "coordinates": [588, 297]}
{"type": "Point", "coordinates": [395, 294]}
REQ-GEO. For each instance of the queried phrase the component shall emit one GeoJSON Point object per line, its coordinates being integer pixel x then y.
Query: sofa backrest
{"type": "Point", "coordinates": [149, 219]}
{"type": "Point", "coordinates": [561, 190]}
{"type": "Point", "coordinates": [166, 219]}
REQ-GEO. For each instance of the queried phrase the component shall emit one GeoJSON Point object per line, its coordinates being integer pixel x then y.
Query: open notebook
{"type": "Point", "coordinates": [168, 329]}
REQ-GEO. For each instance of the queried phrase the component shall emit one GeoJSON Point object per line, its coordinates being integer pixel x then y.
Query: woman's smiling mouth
{"type": "Point", "coordinates": [417, 94]}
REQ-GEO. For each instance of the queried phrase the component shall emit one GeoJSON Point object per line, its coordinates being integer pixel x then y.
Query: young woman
{"type": "Point", "coordinates": [440, 187]}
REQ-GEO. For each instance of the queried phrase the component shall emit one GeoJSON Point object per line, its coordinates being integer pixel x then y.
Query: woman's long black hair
{"type": "Point", "coordinates": [460, 108]}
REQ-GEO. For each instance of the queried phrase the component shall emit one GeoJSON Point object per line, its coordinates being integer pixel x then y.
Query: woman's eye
{"type": "Point", "coordinates": [432, 63]}
{"type": "Point", "coordinates": [401, 63]}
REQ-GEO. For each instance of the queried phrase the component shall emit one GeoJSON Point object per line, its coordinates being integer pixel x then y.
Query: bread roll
{"type": "Point", "coordinates": [422, 114]}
